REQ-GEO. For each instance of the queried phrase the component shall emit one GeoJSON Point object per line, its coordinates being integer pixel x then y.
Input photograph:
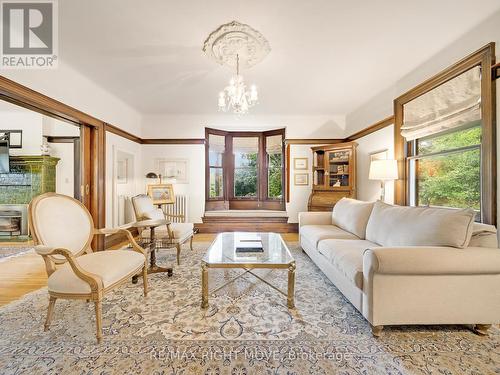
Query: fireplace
{"type": "Point", "coordinates": [13, 220]}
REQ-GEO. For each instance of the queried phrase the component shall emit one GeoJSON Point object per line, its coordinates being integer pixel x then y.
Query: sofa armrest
{"type": "Point", "coordinates": [431, 261]}
{"type": "Point", "coordinates": [315, 218]}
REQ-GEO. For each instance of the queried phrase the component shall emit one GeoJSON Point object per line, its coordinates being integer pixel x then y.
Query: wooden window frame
{"type": "Point", "coordinates": [485, 58]}
{"type": "Point", "coordinates": [229, 201]}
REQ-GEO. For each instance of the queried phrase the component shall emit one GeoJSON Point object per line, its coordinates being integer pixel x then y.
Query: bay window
{"type": "Point", "coordinates": [245, 170]}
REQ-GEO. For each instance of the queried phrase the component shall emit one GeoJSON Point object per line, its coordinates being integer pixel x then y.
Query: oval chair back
{"type": "Point", "coordinates": [57, 220]}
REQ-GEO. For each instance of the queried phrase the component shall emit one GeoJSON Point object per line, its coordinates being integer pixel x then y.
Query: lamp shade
{"type": "Point", "coordinates": [383, 170]}
{"type": "Point", "coordinates": [151, 175]}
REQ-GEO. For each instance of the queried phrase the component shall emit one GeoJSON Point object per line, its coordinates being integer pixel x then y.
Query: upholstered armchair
{"type": "Point", "coordinates": [173, 234]}
{"type": "Point", "coordinates": [62, 230]}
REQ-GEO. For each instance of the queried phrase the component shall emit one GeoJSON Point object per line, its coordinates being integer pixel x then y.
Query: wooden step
{"type": "Point", "coordinates": [217, 224]}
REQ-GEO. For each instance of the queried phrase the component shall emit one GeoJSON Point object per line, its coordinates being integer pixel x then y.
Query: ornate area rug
{"type": "Point", "coordinates": [246, 330]}
{"type": "Point", "coordinates": [7, 252]}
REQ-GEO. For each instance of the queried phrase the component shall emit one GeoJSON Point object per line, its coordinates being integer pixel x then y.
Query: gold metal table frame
{"type": "Point", "coordinates": [248, 270]}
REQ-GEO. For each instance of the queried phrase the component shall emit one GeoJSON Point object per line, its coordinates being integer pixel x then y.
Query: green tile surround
{"type": "Point", "coordinates": [29, 176]}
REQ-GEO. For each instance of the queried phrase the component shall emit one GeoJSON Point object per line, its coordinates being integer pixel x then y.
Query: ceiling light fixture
{"type": "Point", "coordinates": [236, 45]}
{"type": "Point", "coordinates": [235, 96]}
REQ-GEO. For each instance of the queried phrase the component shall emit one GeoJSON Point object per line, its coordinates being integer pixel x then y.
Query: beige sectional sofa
{"type": "Point", "coordinates": [408, 265]}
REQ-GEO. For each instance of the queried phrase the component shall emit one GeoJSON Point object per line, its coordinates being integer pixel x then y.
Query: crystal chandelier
{"type": "Point", "coordinates": [235, 96]}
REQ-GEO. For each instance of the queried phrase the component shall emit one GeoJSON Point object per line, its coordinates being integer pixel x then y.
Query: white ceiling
{"type": "Point", "coordinates": [327, 57]}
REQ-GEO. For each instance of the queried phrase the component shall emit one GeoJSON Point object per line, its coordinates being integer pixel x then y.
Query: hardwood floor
{"type": "Point", "coordinates": [26, 273]}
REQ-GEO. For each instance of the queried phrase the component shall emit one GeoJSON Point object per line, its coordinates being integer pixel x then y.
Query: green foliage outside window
{"type": "Point", "coordinates": [245, 175]}
{"type": "Point", "coordinates": [275, 189]}
{"type": "Point", "coordinates": [451, 179]}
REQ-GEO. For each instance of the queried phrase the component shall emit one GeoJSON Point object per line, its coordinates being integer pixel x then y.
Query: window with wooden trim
{"type": "Point", "coordinates": [245, 170]}
{"type": "Point", "coordinates": [215, 166]}
{"type": "Point", "coordinates": [445, 169]}
{"type": "Point", "coordinates": [444, 125]}
{"type": "Point", "coordinates": [444, 139]}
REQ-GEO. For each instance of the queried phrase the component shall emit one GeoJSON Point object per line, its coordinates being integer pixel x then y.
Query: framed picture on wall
{"type": "Point", "coordinates": [300, 163]}
{"type": "Point", "coordinates": [379, 155]}
{"type": "Point", "coordinates": [301, 179]}
{"type": "Point", "coordinates": [15, 137]}
{"type": "Point", "coordinates": [161, 193]}
{"type": "Point", "coordinates": [176, 170]}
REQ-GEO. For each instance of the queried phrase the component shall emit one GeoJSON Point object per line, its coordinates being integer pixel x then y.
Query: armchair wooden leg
{"type": "Point", "coordinates": [191, 243]}
{"type": "Point", "coordinates": [145, 280]}
{"type": "Point", "coordinates": [178, 246]}
{"type": "Point", "coordinates": [50, 313]}
{"type": "Point", "coordinates": [377, 331]}
{"type": "Point", "coordinates": [98, 320]}
{"type": "Point", "coordinates": [481, 329]}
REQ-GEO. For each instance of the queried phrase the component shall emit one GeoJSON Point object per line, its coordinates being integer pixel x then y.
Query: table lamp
{"type": "Point", "coordinates": [383, 170]}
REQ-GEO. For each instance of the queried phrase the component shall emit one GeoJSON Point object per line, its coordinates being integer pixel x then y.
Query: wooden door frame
{"type": "Point", "coordinates": [485, 58]}
{"type": "Point", "coordinates": [23, 96]}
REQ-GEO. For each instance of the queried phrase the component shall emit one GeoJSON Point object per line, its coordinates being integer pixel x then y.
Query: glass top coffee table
{"type": "Point", "coordinates": [222, 254]}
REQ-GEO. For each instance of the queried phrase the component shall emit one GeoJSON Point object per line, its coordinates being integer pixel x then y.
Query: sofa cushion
{"type": "Point", "coordinates": [347, 257]}
{"type": "Point", "coordinates": [352, 215]}
{"type": "Point", "coordinates": [419, 226]}
{"type": "Point", "coordinates": [316, 233]}
{"type": "Point", "coordinates": [181, 231]}
{"type": "Point", "coordinates": [156, 214]}
{"type": "Point", "coordinates": [483, 235]}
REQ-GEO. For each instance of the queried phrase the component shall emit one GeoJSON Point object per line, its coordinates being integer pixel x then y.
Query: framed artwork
{"type": "Point", "coordinates": [300, 163]}
{"type": "Point", "coordinates": [174, 169]}
{"type": "Point", "coordinates": [161, 193]}
{"type": "Point", "coordinates": [379, 155]}
{"type": "Point", "coordinates": [301, 179]}
{"type": "Point", "coordinates": [15, 137]}
{"type": "Point", "coordinates": [122, 171]}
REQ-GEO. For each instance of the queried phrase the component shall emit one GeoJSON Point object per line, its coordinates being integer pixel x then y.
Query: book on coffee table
{"type": "Point", "coordinates": [249, 246]}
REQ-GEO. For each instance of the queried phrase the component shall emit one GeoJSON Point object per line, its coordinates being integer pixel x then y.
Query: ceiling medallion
{"type": "Point", "coordinates": [235, 38]}
{"type": "Point", "coordinates": [236, 45]}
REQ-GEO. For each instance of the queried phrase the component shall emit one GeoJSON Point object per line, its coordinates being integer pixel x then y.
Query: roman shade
{"type": "Point", "coordinates": [274, 144]}
{"type": "Point", "coordinates": [245, 145]}
{"type": "Point", "coordinates": [449, 106]}
{"type": "Point", "coordinates": [217, 143]}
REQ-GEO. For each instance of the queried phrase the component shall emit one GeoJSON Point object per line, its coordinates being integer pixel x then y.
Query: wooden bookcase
{"type": "Point", "coordinates": [334, 175]}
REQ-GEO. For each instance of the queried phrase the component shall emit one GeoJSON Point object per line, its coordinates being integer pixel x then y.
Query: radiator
{"type": "Point", "coordinates": [180, 207]}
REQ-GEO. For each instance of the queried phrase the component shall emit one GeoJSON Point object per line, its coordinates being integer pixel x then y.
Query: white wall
{"type": "Point", "coordinates": [299, 195]}
{"type": "Point", "coordinates": [195, 189]}
{"type": "Point", "coordinates": [65, 168]}
{"type": "Point", "coordinates": [58, 128]}
{"type": "Point", "coordinates": [72, 88]}
{"type": "Point", "coordinates": [30, 123]}
{"type": "Point", "coordinates": [193, 126]}
{"type": "Point", "coordinates": [114, 144]}
{"type": "Point", "coordinates": [369, 190]}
